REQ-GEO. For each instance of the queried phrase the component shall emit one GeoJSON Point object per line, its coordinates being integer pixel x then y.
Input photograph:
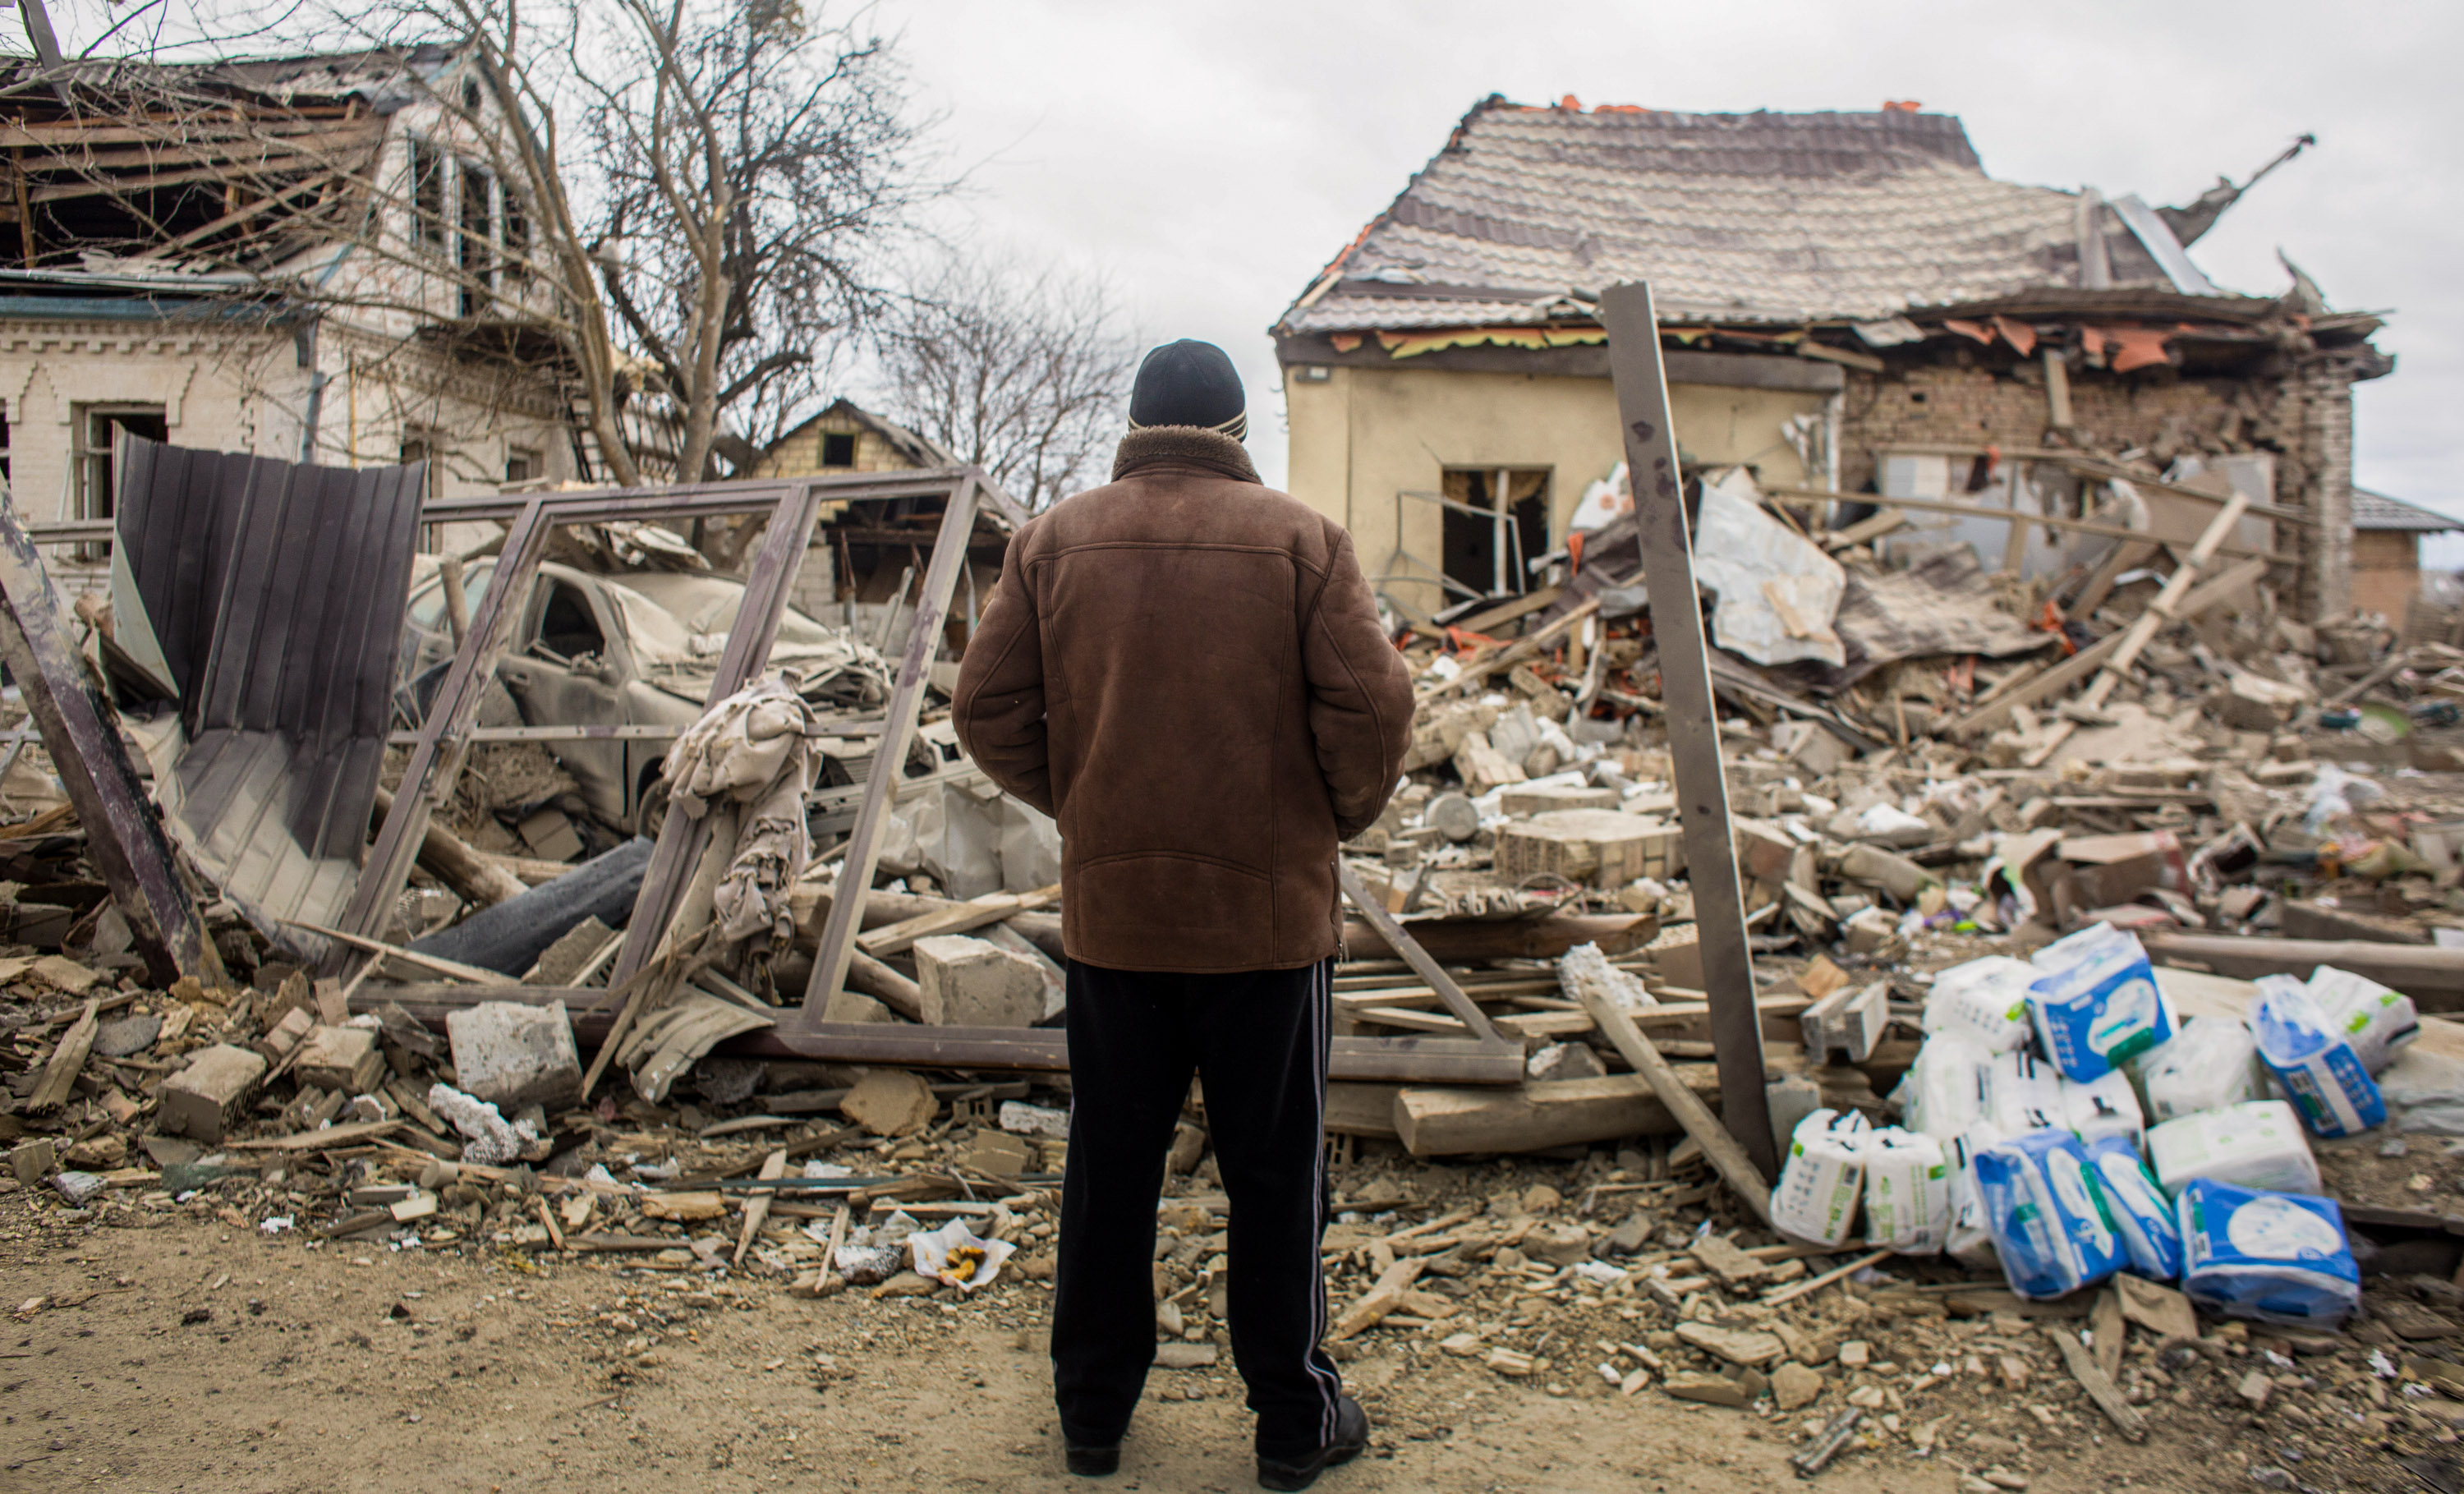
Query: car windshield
{"type": "Point", "coordinates": [427, 607]}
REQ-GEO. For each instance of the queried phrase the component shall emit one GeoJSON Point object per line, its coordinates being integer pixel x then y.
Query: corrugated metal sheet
{"type": "Point", "coordinates": [275, 592]}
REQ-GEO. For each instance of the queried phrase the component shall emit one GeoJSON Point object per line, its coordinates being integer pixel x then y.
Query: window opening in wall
{"type": "Point", "coordinates": [1495, 519]}
{"type": "Point", "coordinates": [514, 221]}
{"type": "Point", "coordinates": [96, 429]}
{"type": "Point", "coordinates": [838, 448]}
{"type": "Point", "coordinates": [4, 469]}
{"type": "Point", "coordinates": [522, 464]}
{"type": "Point", "coordinates": [471, 246]}
{"type": "Point", "coordinates": [426, 195]}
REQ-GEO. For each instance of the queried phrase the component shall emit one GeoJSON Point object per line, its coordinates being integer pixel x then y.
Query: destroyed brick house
{"type": "Point", "coordinates": [1849, 305]}
{"type": "Point", "coordinates": [155, 215]}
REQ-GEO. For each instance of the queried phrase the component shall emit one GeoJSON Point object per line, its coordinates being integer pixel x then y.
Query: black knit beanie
{"type": "Point", "coordinates": [1189, 384]}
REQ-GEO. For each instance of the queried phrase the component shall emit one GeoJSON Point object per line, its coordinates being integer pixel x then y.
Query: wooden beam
{"type": "Point", "coordinates": [1742, 1173]}
{"type": "Point", "coordinates": [991, 908]}
{"type": "Point", "coordinates": [125, 833]}
{"type": "Point", "coordinates": [1802, 497]}
{"type": "Point", "coordinates": [2168, 606]}
{"type": "Point", "coordinates": [1528, 646]}
{"type": "Point", "coordinates": [1691, 718]}
{"type": "Point", "coordinates": [681, 840]}
{"type": "Point", "coordinates": [1533, 1117]}
{"type": "Point", "coordinates": [837, 943]}
{"type": "Point", "coordinates": [1427, 969]}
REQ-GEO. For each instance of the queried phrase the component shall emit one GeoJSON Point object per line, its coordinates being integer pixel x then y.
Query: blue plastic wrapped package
{"type": "Point", "coordinates": [2276, 1257]}
{"type": "Point", "coordinates": [2318, 1068]}
{"type": "Point", "coordinates": [2049, 1223]}
{"type": "Point", "coordinates": [2095, 1001]}
{"type": "Point", "coordinates": [1984, 1001]}
{"type": "Point", "coordinates": [2140, 1209]}
{"type": "Point", "coordinates": [2211, 1063]}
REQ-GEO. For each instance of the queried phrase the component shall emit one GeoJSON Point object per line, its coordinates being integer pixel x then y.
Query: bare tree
{"type": "Point", "coordinates": [1024, 374]}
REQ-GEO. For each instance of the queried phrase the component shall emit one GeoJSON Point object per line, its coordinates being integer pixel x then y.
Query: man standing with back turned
{"type": "Point", "coordinates": [1185, 669]}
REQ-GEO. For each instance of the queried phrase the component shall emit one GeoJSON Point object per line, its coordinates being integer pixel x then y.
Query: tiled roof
{"type": "Point", "coordinates": [2377, 511]}
{"type": "Point", "coordinates": [1731, 217]}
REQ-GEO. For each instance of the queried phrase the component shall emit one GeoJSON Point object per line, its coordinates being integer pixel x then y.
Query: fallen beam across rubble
{"type": "Point", "coordinates": [2431, 975]}
{"type": "Point", "coordinates": [1408, 1060]}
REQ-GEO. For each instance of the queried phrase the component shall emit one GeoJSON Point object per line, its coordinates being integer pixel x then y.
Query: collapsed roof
{"type": "Point", "coordinates": [1733, 218]}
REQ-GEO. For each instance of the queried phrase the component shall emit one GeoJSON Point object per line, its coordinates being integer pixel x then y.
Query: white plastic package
{"type": "Point", "coordinates": [2095, 1001]}
{"type": "Point", "coordinates": [2106, 1107]}
{"type": "Point", "coordinates": [2023, 1093]}
{"type": "Point", "coordinates": [2375, 1020]}
{"type": "Point", "coordinates": [2316, 1066]}
{"type": "Point", "coordinates": [1819, 1188]}
{"type": "Point", "coordinates": [1943, 1091]}
{"type": "Point", "coordinates": [2276, 1257]}
{"type": "Point", "coordinates": [2139, 1209]}
{"type": "Point", "coordinates": [2258, 1144]}
{"type": "Point", "coordinates": [1984, 1001]}
{"type": "Point", "coordinates": [1907, 1192]}
{"type": "Point", "coordinates": [1970, 1241]}
{"type": "Point", "coordinates": [2049, 1227]}
{"type": "Point", "coordinates": [2211, 1063]}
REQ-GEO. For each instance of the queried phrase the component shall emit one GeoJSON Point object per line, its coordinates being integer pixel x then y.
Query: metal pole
{"type": "Point", "coordinates": [1693, 725]}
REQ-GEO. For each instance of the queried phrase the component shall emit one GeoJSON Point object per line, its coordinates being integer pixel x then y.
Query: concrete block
{"type": "Point", "coordinates": [1547, 797]}
{"type": "Point", "coordinates": [855, 1007]}
{"type": "Point", "coordinates": [342, 1059]}
{"type": "Point", "coordinates": [513, 1055]}
{"type": "Point", "coordinates": [971, 982]}
{"type": "Point", "coordinates": [203, 1099]}
{"type": "Point", "coordinates": [35, 1160]}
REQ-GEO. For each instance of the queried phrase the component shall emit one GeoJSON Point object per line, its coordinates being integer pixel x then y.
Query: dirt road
{"type": "Point", "coordinates": [190, 1356]}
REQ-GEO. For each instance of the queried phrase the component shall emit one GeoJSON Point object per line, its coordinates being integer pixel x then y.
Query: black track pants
{"type": "Point", "coordinates": [1259, 1042]}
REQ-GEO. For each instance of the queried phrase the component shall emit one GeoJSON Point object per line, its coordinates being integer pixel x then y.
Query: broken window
{"type": "Point", "coordinates": [522, 464]}
{"type": "Point", "coordinates": [472, 254]}
{"type": "Point", "coordinates": [4, 443]}
{"type": "Point", "coordinates": [1496, 520]}
{"type": "Point", "coordinates": [514, 224]}
{"type": "Point", "coordinates": [426, 195]}
{"type": "Point", "coordinates": [96, 429]}
{"type": "Point", "coordinates": [567, 626]}
{"type": "Point", "coordinates": [838, 448]}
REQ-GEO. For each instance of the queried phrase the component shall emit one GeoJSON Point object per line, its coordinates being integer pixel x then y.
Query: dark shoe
{"type": "Point", "coordinates": [1094, 1460]}
{"type": "Point", "coordinates": [1350, 1439]}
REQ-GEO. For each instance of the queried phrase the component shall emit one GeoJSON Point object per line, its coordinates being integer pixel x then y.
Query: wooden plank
{"type": "Point", "coordinates": [1802, 497]}
{"type": "Point", "coordinates": [974, 913]}
{"type": "Point", "coordinates": [682, 837]}
{"type": "Point", "coordinates": [2431, 975]}
{"type": "Point", "coordinates": [1509, 611]}
{"type": "Point", "coordinates": [1409, 947]}
{"type": "Point", "coordinates": [2127, 1419]}
{"type": "Point", "coordinates": [837, 944]}
{"type": "Point", "coordinates": [757, 1209]}
{"type": "Point", "coordinates": [67, 1061]}
{"type": "Point", "coordinates": [1736, 1166]}
{"type": "Point", "coordinates": [1528, 646]}
{"type": "Point", "coordinates": [1693, 725]}
{"type": "Point", "coordinates": [434, 765]}
{"type": "Point", "coordinates": [124, 832]}
{"type": "Point", "coordinates": [2167, 604]}
{"type": "Point", "coordinates": [325, 1140]}
{"type": "Point", "coordinates": [1456, 1122]}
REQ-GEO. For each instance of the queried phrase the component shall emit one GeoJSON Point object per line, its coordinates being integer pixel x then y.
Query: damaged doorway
{"type": "Point", "coordinates": [1496, 522]}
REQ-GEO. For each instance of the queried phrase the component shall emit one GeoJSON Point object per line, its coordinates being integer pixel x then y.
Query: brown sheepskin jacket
{"type": "Point", "coordinates": [1185, 669]}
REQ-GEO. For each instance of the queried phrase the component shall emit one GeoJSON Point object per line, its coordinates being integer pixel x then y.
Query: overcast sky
{"type": "Point", "coordinates": [1212, 157]}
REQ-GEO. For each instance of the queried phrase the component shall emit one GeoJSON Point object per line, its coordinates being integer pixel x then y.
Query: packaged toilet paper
{"type": "Point", "coordinates": [2049, 1225]}
{"type": "Point", "coordinates": [2140, 1209]}
{"type": "Point", "coordinates": [2211, 1063]}
{"type": "Point", "coordinates": [2316, 1067]}
{"type": "Point", "coordinates": [1907, 1192]}
{"type": "Point", "coordinates": [1943, 1093]}
{"type": "Point", "coordinates": [2106, 1107]}
{"type": "Point", "coordinates": [2023, 1093]}
{"type": "Point", "coordinates": [1969, 1241]}
{"type": "Point", "coordinates": [2375, 1020]}
{"type": "Point", "coordinates": [1819, 1188]}
{"type": "Point", "coordinates": [1984, 1001]}
{"type": "Point", "coordinates": [2258, 1144]}
{"type": "Point", "coordinates": [2276, 1257]}
{"type": "Point", "coordinates": [2095, 1001]}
